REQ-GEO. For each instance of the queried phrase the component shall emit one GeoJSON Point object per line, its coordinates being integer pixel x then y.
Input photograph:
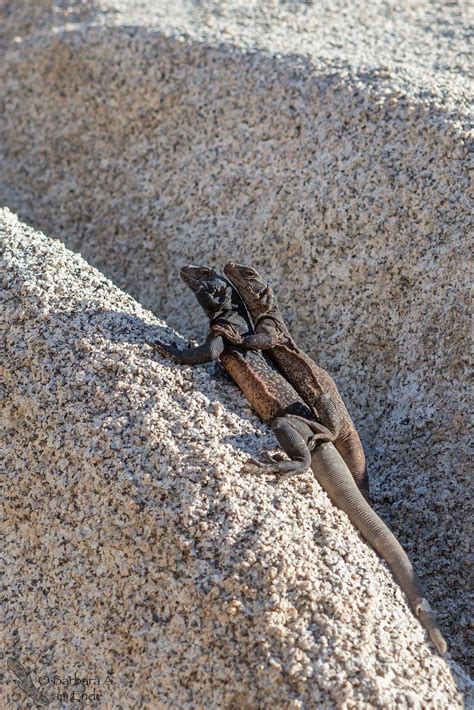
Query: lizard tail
{"type": "Point", "coordinates": [427, 620]}
{"type": "Point", "coordinates": [336, 479]}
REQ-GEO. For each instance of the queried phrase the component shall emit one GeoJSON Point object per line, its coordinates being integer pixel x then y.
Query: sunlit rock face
{"type": "Point", "coordinates": [310, 141]}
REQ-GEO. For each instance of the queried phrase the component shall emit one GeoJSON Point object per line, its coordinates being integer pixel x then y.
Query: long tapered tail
{"type": "Point", "coordinates": [336, 479]}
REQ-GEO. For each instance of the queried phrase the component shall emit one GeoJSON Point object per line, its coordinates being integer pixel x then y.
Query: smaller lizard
{"type": "Point", "coordinates": [277, 403]}
{"type": "Point", "coordinates": [271, 396]}
{"type": "Point", "coordinates": [308, 379]}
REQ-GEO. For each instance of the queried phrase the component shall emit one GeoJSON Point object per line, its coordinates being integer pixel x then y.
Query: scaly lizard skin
{"type": "Point", "coordinates": [308, 379]}
{"type": "Point", "coordinates": [277, 403]}
{"type": "Point", "coordinates": [274, 399]}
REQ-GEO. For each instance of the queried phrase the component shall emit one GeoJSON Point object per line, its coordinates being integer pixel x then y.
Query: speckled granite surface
{"type": "Point", "coordinates": [327, 147]}
{"type": "Point", "coordinates": [137, 556]}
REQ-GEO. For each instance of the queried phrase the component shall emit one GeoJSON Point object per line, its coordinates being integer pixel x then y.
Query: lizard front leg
{"type": "Point", "coordinates": [257, 341]}
{"type": "Point", "coordinates": [209, 351]}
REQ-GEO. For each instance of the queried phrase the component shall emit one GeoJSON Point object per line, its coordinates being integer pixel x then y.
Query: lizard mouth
{"type": "Point", "coordinates": [193, 275]}
{"type": "Point", "coordinates": [232, 271]}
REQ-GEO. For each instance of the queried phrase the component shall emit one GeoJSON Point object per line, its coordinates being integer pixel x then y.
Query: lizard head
{"type": "Point", "coordinates": [213, 292]}
{"type": "Point", "coordinates": [256, 293]}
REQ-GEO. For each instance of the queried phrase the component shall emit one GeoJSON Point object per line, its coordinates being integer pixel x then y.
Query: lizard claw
{"type": "Point", "coordinates": [271, 469]}
{"type": "Point", "coordinates": [273, 458]}
{"type": "Point", "coordinates": [256, 467]}
{"type": "Point", "coordinates": [166, 349]}
{"type": "Point", "coordinates": [158, 345]}
{"type": "Point", "coordinates": [253, 466]}
{"type": "Point", "coordinates": [252, 462]}
{"type": "Point", "coordinates": [229, 333]}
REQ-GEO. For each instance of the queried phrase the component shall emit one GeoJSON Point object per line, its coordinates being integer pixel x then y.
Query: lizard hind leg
{"type": "Point", "coordinates": [347, 442]}
{"type": "Point", "coordinates": [327, 428]}
{"type": "Point", "coordinates": [292, 436]}
{"type": "Point", "coordinates": [327, 412]}
{"type": "Point", "coordinates": [329, 421]}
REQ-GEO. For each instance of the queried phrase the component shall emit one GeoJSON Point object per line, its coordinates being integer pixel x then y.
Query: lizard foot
{"type": "Point", "coordinates": [228, 332]}
{"type": "Point", "coordinates": [171, 349]}
{"type": "Point", "coordinates": [166, 349]}
{"type": "Point", "coordinates": [274, 458]}
{"type": "Point", "coordinates": [254, 466]}
{"type": "Point", "coordinates": [283, 468]}
{"type": "Point", "coordinates": [251, 468]}
{"type": "Point", "coordinates": [160, 345]}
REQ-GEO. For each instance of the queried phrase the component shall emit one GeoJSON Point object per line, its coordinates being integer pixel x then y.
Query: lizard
{"type": "Point", "coordinates": [308, 379]}
{"type": "Point", "coordinates": [306, 442]}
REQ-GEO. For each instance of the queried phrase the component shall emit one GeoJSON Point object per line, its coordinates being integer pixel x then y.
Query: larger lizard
{"type": "Point", "coordinates": [277, 403]}
{"type": "Point", "coordinates": [308, 379]}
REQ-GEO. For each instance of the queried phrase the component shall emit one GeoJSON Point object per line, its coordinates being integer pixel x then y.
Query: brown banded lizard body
{"type": "Point", "coordinates": [308, 379]}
